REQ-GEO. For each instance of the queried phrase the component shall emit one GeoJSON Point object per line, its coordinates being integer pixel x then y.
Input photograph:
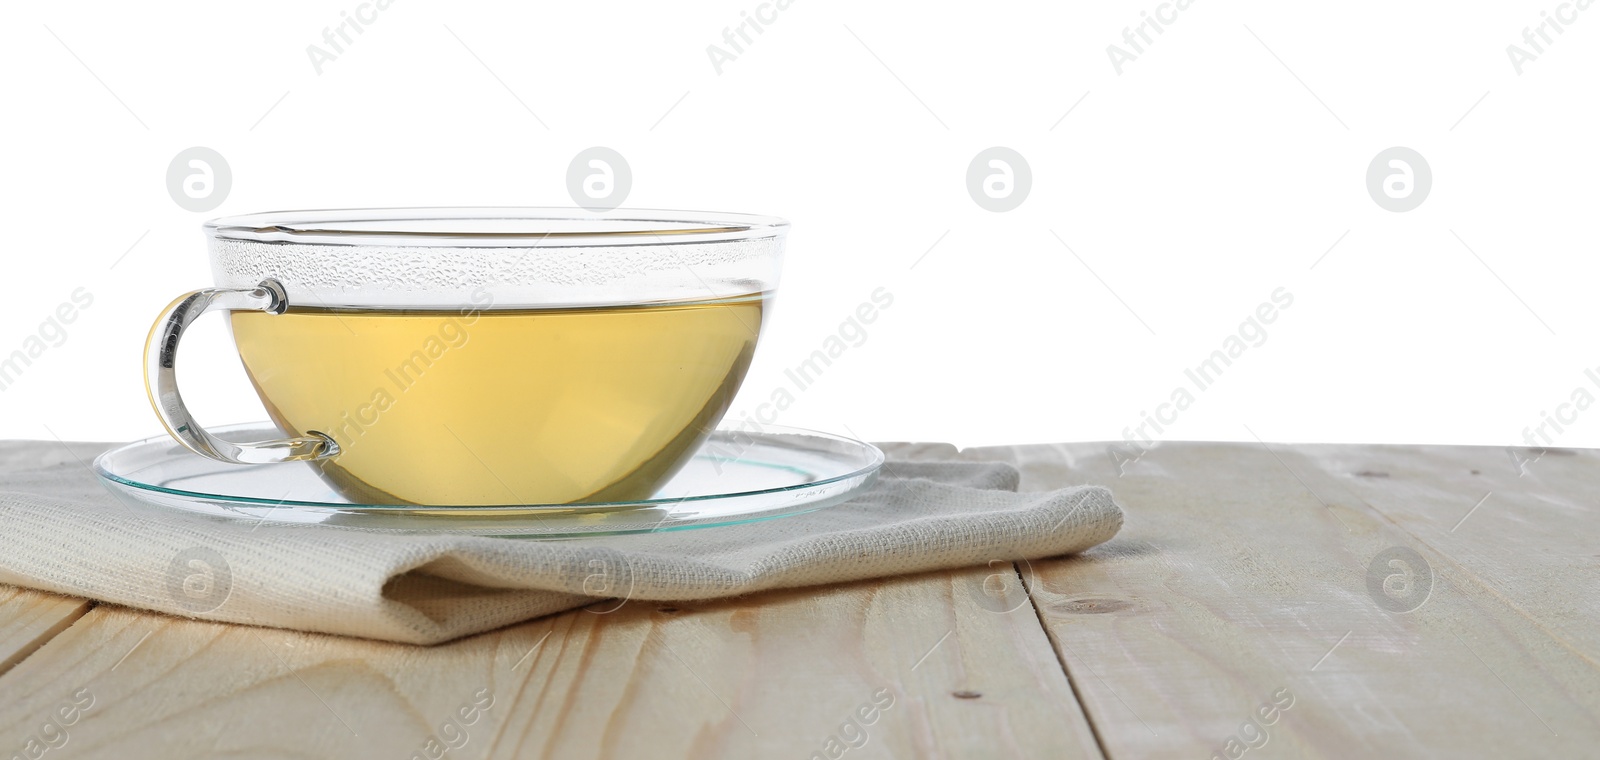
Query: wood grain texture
{"type": "Point", "coordinates": [30, 618]}
{"type": "Point", "coordinates": [776, 674]}
{"type": "Point", "coordinates": [1245, 576]}
{"type": "Point", "coordinates": [1241, 576]}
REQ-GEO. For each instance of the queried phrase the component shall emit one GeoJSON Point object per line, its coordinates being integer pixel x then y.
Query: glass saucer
{"type": "Point", "coordinates": [736, 477]}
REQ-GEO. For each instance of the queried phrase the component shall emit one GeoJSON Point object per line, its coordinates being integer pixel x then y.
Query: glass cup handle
{"type": "Point", "coordinates": [161, 379]}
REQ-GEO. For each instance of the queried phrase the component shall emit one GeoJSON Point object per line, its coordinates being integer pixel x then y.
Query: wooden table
{"type": "Point", "coordinates": [1243, 602]}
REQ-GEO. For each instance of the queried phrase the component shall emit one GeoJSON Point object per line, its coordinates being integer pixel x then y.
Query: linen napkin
{"type": "Point", "coordinates": [61, 531]}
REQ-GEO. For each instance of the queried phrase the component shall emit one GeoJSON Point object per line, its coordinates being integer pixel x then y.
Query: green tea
{"type": "Point", "coordinates": [547, 406]}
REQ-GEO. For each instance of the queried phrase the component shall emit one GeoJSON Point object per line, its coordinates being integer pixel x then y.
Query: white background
{"type": "Point", "coordinates": [1189, 186]}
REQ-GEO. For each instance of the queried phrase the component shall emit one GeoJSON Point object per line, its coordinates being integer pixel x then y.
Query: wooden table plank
{"type": "Point", "coordinates": [1522, 525]}
{"type": "Point", "coordinates": [771, 674]}
{"type": "Point", "coordinates": [1240, 579]}
{"type": "Point", "coordinates": [29, 618]}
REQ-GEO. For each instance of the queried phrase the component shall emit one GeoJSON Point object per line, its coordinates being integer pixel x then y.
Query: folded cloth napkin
{"type": "Point", "coordinates": [61, 531]}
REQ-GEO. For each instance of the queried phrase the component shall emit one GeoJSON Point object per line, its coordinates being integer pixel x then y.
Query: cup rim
{"type": "Point", "coordinates": [493, 227]}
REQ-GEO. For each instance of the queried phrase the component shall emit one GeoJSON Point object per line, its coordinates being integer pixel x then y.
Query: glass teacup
{"type": "Point", "coordinates": [481, 356]}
